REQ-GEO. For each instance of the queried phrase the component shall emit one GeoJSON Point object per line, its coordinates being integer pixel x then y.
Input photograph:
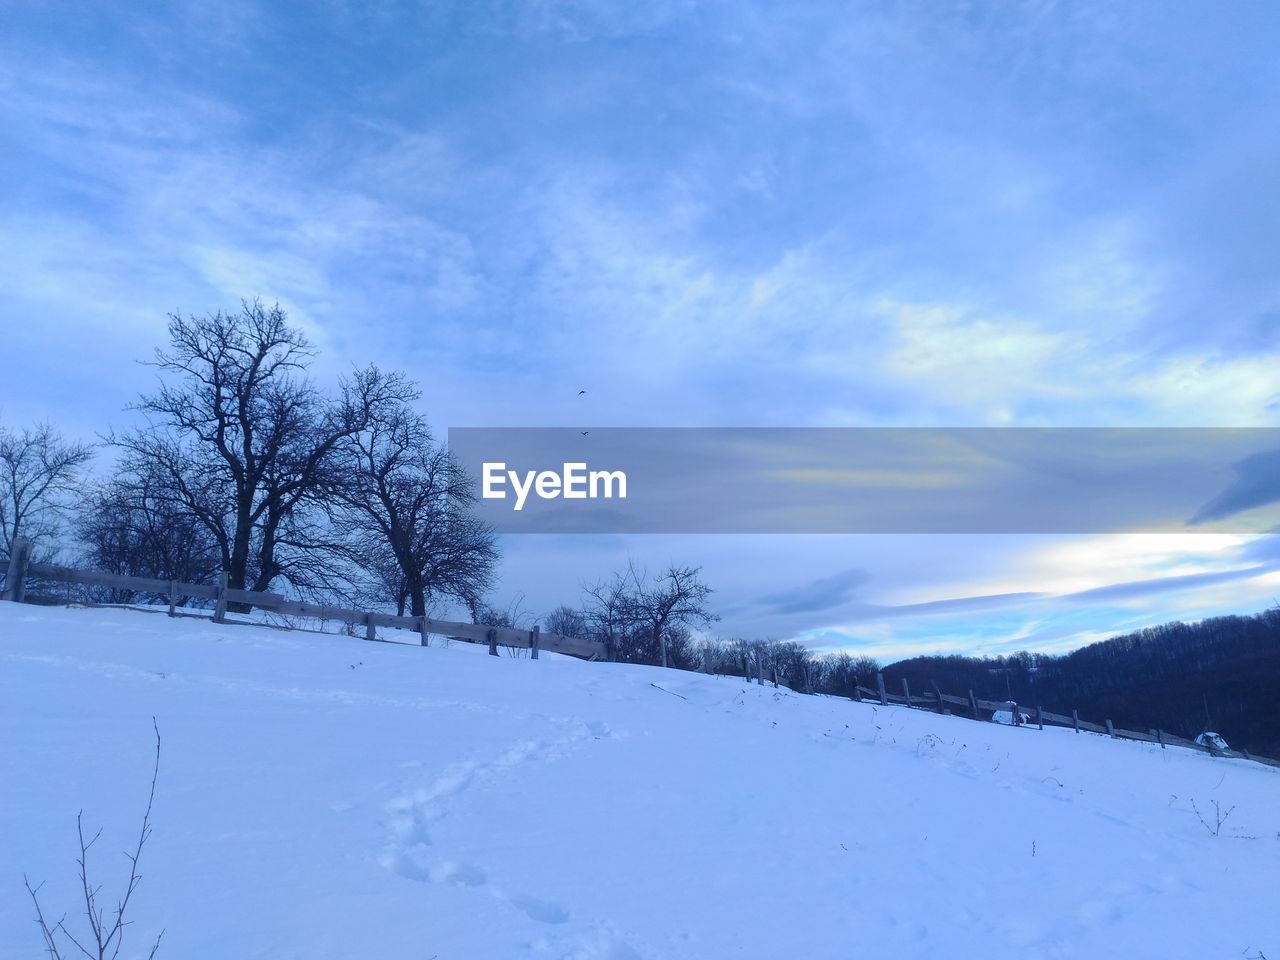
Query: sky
{"type": "Point", "coordinates": [704, 214]}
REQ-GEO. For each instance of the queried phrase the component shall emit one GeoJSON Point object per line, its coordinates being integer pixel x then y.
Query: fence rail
{"type": "Point", "coordinates": [178, 593]}
{"type": "Point", "coordinates": [938, 702]}
{"type": "Point", "coordinates": [19, 568]}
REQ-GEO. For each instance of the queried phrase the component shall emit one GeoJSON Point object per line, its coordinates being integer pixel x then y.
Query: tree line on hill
{"type": "Point", "coordinates": [653, 619]}
{"type": "Point", "coordinates": [1220, 674]}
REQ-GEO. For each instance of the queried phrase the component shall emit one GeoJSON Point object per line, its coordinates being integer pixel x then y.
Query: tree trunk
{"type": "Point", "coordinates": [267, 568]}
{"type": "Point", "coordinates": [237, 568]}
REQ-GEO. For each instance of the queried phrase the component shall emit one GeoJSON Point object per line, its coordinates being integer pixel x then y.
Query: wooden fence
{"type": "Point", "coordinates": [177, 593]}
{"type": "Point", "coordinates": [20, 568]}
{"type": "Point", "coordinates": [970, 706]}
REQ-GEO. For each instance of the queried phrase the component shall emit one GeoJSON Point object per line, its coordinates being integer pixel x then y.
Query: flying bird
{"type": "Point", "coordinates": [585, 432]}
{"type": "Point", "coordinates": [581, 392]}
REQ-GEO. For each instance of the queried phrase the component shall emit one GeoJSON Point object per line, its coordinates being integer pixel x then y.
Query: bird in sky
{"type": "Point", "coordinates": [581, 392]}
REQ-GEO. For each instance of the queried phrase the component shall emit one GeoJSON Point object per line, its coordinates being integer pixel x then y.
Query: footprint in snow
{"type": "Point", "coordinates": [597, 728]}
{"type": "Point", "coordinates": [544, 911]}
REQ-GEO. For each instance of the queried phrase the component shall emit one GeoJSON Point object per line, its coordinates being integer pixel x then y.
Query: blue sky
{"type": "Point", "coordinates": [731, 214]}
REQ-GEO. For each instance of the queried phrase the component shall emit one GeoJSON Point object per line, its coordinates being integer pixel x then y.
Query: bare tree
{"type": "Point", "coordinates": [568, 622]}
{"type": "Point", "coordinates": [240, 438]}
{"type": "Point", "coordinates": [403, 500]}
{"type": "Point", "coordinates": [649, 620]}
{"type": "Point", "coordinates": [839, 673]}
{"type": "Point", "coordinates": [106, 929]}
{"type": "Point", "coordinates": [129, 526]}
{"type": "Point", "coordinates": [513, 615]}
{"type": "Point", "coordinates": [761, 657]}
{"type": "Point", "coordinates": [610, 609]}
{"type": "Point", "coordinates": [676, 598]}
{"type": "Point", "coordinates": [38, 470]}
{"type": "Point", "coordinates": [795, 665]}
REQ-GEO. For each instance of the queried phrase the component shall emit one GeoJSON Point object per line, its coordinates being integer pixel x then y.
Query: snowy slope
{"type": "Point", "coordinates": [324, 797]}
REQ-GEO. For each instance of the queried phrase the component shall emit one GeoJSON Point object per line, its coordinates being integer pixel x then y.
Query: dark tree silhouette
{"type": "Point", "coordinates": [676, 598]}
{"type": "Point", "coordinates": [403, 502]}
{"type": "Point", "coordinates": [38, 471]}
{"type": "Point", "coordinates": [1221, 674]}
{"type": "Point", "coordinates": [129, 526]}
{"type": "Point", "coordinates": [240, 440]}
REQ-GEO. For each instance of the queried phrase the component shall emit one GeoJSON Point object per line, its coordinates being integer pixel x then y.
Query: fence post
{"type": "Point", "coordinates": [493, 642]}
{"type": "Point", "coordinates": [370, 633]}
{"type": "Point", "coordinates": [533, 641]}
{"type": "Point", "coordinates": [857, 692]}
{"type": "Point", "coordinates": [906, 692]}
{"type": "Point", "coordinates": [774, 672]}
{"type": "Point", "coordinates": [706, 659]}
{"type": "Point", "coordinates": [173, 598]}
{"type": "Point", "coordinates": [759, 670]}
{"type": "Point", "coordinates": [1111, 731]}
{"type": "Point", "coordinates": [1075, 720]}
{"type": "Point", "coordinates": [1159, 735]}
{"type": "Point", "coordinates": [24, 562]}
{"type": "Point", "coordinates": [973, 705]}
{"type": "Point", "coordinates": [1016, 713]}
{"type": "Point", "coordinates": [15, 578]}
{"type": "Point", "coordinates": [220, 606]}
{"type": "Point", "coordinates": [1040, 716]}
{"type": "Point", "coordinates": [422, 631]}
{"type": "Point", "coordinates": [884, 697]}
{"type": "Point", "coordinates": [937, 692]}
{"type": "Point", "coordinates": [808, 680]}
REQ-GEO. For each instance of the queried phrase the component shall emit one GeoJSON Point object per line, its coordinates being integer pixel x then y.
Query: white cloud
{"type": "Point", "coordinates": [1064, 565]}
{"type": "Point", "coordinates": [1212, 391]}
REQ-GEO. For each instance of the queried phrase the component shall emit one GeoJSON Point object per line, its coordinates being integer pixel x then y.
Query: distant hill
{"type": "Point", "coordinates": [1221, 674]}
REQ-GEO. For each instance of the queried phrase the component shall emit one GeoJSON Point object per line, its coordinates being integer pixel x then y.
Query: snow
{"type": "Point", "coordinates": [1006, 717]}
{"type": "Point", "coordinates": [1213, 741]}
{"type": "Point", "coordinates": [325, 797]}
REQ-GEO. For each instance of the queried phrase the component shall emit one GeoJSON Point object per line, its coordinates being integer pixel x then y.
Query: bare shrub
{"type": "Point", "coordinates": [1219, 817]}
{"type": "Point", "coordinates": [106, 927]}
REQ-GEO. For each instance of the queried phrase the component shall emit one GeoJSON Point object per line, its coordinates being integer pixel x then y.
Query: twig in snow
{"type": "Point", "coordinates": [106, 932]}
{"type": "Point", "coordinates": [672, 692]}
{"type": "Point", "coordinates": [1219, 817]}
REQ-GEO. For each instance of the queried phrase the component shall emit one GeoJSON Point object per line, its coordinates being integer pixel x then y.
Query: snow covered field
{"type": "Point", "coordinates": [324, 797]}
